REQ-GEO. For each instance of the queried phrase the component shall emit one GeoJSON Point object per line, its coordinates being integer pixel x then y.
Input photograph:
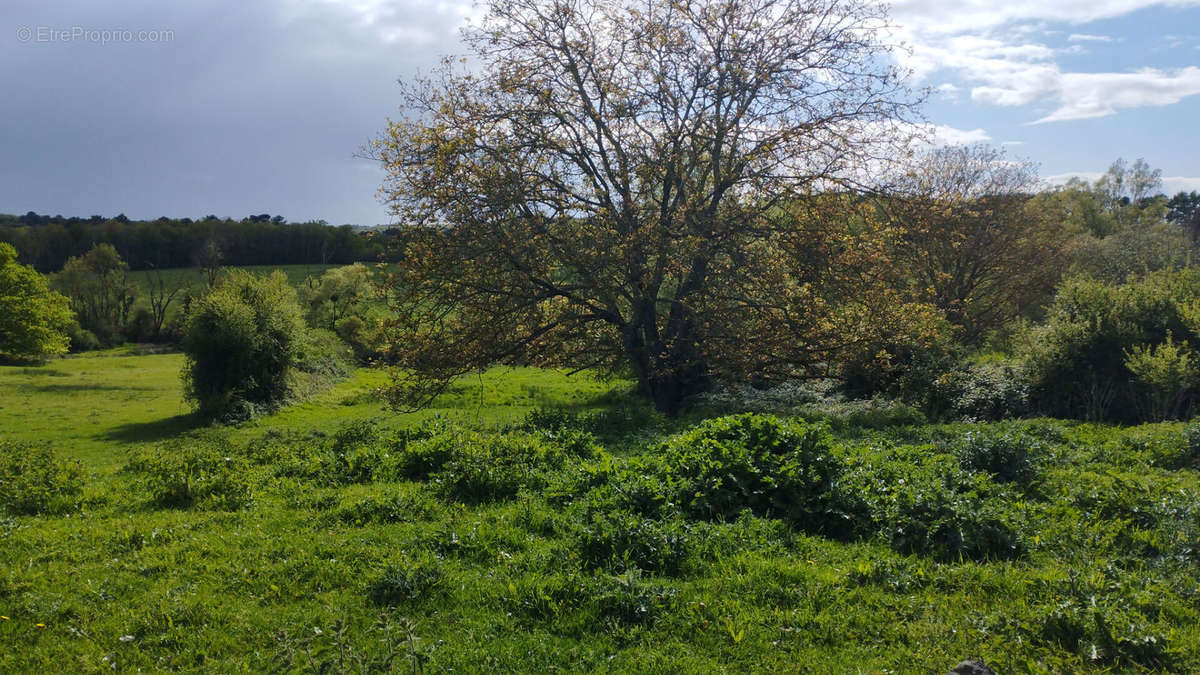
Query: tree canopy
{"type": "Point", "coordinates": [656, 188]}
{"type": "Point", "coordinates": [101, 293]}
{"type": "Point", "coordinates": [973, 247]}
{"type": "Point", "coordinates": [33, 319]}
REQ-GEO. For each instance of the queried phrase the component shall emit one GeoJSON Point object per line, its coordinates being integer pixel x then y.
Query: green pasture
{"type": "Point", "coordinates": [313, 540]}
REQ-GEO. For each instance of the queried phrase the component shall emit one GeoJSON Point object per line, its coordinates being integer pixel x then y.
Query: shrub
{"type": "Point", "coordinates": [322, 353]}
{"type": "Point", "coordinates": [1080, 360]}
{"type": "Point", "coordinates": [1191, 448]}
{"type": "Point", "coordinates": [1163, 375]}
{"type": "Point", "coordinates": [774, 468]}
{"type": "Point", "coordinates": [619, 541]}
{"type": "Point", "coordinates": [33, 482]}
{"type": "Point", "coordinates": [495, 467]}
{"type": "Point", "coordinates": [638, 488]}
{"type": "Point", "coordinates": [1007, 455]}
{"type": "Point", "coordinates": [140, 326]}
{"type": "Point", "coordinates": [202, 471]}
{"type": "Point", "coordinates": [82, 340]}
{"type": "Point", "coordinates": [920, 501]}
{"type": "Point", "coordinates": [241, 340]}
{"type": "Point", "coordinates": [426, 453]}
{"type": "Point", "coordinates": [980, 392]}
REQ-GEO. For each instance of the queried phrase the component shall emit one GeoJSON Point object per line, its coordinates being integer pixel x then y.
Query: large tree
{"type": "Point", "coordinates": [662, 188]}
{"type": "Point", "coordinates": [973, 245]}
{"type": "Point", "coordinates": [34, 320]}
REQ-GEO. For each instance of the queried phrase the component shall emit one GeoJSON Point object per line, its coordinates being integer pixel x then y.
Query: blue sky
{"type": "Point", "coordinates": [238, 108]}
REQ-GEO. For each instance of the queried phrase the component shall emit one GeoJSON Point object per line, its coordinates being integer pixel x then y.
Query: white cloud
{"type": "Point", "coordinates": [994, 50]}
{"type": "Point", "coordinates": [938, 16]}
{"type": "Point", "coordinates": [1061, 178]}
{"type": "Point", "coordinates": [1173, 184]}
{"type": "Point", "coordinates": [943, 134]}
{"type": "Point", "coordinates": [1088, 95]}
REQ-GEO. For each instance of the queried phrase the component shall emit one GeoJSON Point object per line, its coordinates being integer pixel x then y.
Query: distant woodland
{"type": "Point", "coordinates": [47, 242]}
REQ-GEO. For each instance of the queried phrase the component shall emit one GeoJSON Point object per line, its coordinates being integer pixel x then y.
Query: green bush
{"type": "Point", "coordinates": [203, 472]}
{"type": "Point", "coordinates": [1103, 348]}
{"type": "Point", "coordinates": [1163, 376]}
{"type": "Point", "coordinates": [82, 340]}
{"type": "Point", "coordinates": [241, 341]}
{"type": "Point", "coordinates": [921, 501]}
{"type": "Point", "coordinates": [33, 482]}
{"type": "Point", "coordinates": [140, 326]}
{"type": "Point", "coordinates": [637, 487]}
{"type": "Point", "coordinates": [1190, 455]}
{"type": "Point", "coordinates": [1006, 454]}
{"type": "Point", "coordinates": [495, 467]}
{"type": "Point", "coordinates": [979, 392]}
{"type": "Point", "coordinates": [774, 468]}
{"type": "Point", "coordinates": [618, 541]}
{"type": "Point", "coordinates": [34, 320]}
{"type": "Point", "coordinates": [323, 353]}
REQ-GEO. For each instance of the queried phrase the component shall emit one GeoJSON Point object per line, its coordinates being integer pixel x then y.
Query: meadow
{"type": "Point", "coordinates": [531, 521]}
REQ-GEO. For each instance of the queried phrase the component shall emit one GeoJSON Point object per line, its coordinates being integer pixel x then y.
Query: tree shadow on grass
{"type": "Point", "coordinates": [158, 430]}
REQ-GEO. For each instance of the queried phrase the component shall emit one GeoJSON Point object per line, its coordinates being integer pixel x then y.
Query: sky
{"type": "Point", "coordinates": [187, 108]}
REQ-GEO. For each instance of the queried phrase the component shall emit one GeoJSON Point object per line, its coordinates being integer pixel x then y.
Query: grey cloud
{"type": "Point", "coordinates": [249, 108]}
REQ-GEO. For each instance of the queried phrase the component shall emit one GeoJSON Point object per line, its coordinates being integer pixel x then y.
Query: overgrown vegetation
{"type": "Point", "coordinates": [740, 542]}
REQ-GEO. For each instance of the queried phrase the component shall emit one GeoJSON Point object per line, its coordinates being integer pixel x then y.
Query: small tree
{"type": "Point", "coordinates": [162, 293]}
{"type": "Point", "coordinates": [337, 294]}
{"type": "Point", "coordinates": [241, 340]}
{"type": "Point", "coordinates": [209, 259]}
{"type": "Point", "coordinates": [101, 294]}
{"type": "Point", "coordinates": [33, 319]}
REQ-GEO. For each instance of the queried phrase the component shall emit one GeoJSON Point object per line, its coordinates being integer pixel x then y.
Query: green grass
{"type": "Point", "coordinates": [92, 406]}
{"type": "Point", "coordinates": [329, 569]}
{"type": "Point", "coordinates": [96, 406]}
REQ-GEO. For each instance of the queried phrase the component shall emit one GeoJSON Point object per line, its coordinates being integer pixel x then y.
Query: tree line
{"type": "Point", "coordinates": [47, 242]}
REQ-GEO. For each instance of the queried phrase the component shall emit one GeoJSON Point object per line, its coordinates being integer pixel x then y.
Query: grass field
{"type": "Point", "coordinates": [95, 406]}
{"type": "Point", "coordinates": [313, 541]}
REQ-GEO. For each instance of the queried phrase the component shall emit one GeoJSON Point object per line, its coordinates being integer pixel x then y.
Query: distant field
{"type": "Point", "coordinates": [94, 406]}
